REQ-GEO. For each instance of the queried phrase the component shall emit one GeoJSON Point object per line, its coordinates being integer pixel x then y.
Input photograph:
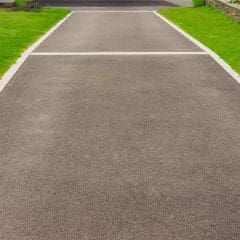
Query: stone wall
{"type": "Point", "coordinates": [228, 9]}
{"type": "Point", "coordinates": [7, 1]}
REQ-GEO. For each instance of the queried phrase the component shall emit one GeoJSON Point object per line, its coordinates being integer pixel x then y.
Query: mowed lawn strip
{"type": "Point", "coordinates": [18, 30]}
{"type": "Point", "coordinates": [211, 27]}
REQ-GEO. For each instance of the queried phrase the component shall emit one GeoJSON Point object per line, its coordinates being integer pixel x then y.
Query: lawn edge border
{"type": "Point", "coordinates": [211, 53]}
{"type": "Point", "coordinates": [8, 75]}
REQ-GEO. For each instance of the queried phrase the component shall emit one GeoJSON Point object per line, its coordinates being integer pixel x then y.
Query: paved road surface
{"type": "Point", "coordinates": [119, 147]}
{"type": "Point", "coordinates": [115, 4]}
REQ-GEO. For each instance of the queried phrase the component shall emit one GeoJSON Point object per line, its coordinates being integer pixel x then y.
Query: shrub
{"type": "Point", "coordinates": [198, 3]}
{"type": "Point", "coordinates": [21, 3]}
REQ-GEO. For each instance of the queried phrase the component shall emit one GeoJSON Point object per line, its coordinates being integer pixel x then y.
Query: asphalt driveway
{"type": "Point", "coordinates": [115, 31]}
{"type": "Point", "coordinates": [119, 146]}
{"type": "Point", "coordinates": [113, 4]}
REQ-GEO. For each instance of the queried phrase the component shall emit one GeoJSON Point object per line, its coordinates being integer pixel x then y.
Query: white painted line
{"type": "Point", "coordinates": [13, 69]}
{"type": "Point", "coordinates": [112, 53]}
{"type": "Point", "coordinates": [111, 11]}
{"type": "Point", "coordinates": [211, 53]}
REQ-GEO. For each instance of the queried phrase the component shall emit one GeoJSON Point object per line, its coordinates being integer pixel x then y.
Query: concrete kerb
{"type": "Point", "coordinates": [215, 56]}
{"type": "Point", "coordinates": [13, 69]}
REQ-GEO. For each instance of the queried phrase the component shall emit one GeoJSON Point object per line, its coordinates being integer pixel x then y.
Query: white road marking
{"type": "Point", "coordinates": [112, 11]}
{"type": "Point", "coordinates": [211, 53]}
{"type": "Point", "coordinates": [112, 53]}
{"type": "Point", "coordinates": [13, 69]}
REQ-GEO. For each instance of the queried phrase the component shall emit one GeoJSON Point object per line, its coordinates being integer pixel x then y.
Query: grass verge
{"type": "Point", "coordinates": [211, 27]}
{"type": "Point", "coordinates": [19, 29]}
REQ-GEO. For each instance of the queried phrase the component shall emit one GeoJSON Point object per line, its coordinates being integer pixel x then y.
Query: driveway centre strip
{"type": "Point", "coordinates": [113, 53]}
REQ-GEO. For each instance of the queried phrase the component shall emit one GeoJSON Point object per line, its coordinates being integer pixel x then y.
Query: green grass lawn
{"type": "Point", "coordinates": [211, 27]}
{"type": "Point", "coordinates": [18, 30]}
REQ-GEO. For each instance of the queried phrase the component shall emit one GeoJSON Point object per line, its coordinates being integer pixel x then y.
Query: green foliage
{"type": "Point", "coordinates": [198, 3]}
{"type": "Point", "coordinates": [211, 27]}
{"type": "Point", "coordinates": [21, 3]}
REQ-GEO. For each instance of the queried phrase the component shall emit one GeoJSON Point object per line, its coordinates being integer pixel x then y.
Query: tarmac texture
{"type": "Point", "coordinates": [111, 31]}
{"type": "Point", "coordinates": [119, 147]}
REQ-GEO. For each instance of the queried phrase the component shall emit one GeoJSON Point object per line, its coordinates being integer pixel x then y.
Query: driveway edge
{"type": "Point", "coordinates": [211, 53]}
{"type": "Point", "coordinates": [14, 68]}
